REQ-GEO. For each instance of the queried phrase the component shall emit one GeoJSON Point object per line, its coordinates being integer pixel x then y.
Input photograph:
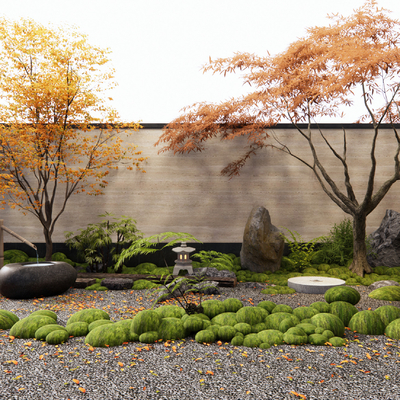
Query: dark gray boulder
{"type": "Point", "coordinates": [263, 244]}
{"type": "Point", "coordinates": [379, 284]}
{"type": "Point", "coordinates": [117, 283]}
{"type": "Point", "coordinates": [385, 242]}
{"type": "Point", "coordinates": [214, 272]}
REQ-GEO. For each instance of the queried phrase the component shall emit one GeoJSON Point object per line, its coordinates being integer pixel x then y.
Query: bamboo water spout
{"type": "Point", "coordinates": [8, 230]}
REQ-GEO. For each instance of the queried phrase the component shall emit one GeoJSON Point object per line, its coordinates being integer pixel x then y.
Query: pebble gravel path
{"type": "Point", "coordinates": [367, 368]}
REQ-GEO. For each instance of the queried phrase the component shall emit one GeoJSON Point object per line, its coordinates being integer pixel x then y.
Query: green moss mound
{"type": "Point", "coordinates": [295, 336]}
{"type": "Point", "coordinates": [388, 293]}
{"type": "Point", "coordinates": [251, 340]}
{"type": "Point", "coordinates": [97, 287]}
{"type": "Point", "coordinates": [142, 284]}
{"type": "Point", "coordinates": [309, 328]}
{"type": "Point", "coordinates": [273, 320]}
{"type": "Point", "coordinates": [343, 310]}
{"type": "Point", "coordinates": [336, 341]}
{"type": "Point", "coordinates": [9, 315]}
{"type": "Point", "coordinates": [330, 322]}
{"type": "Point", "coordinates": [286, 324]}
{"type": "Point", "coordinates": [342, 293]}
{"type": "Point", "coordinates": [214, 329]}
{"type": "Point", "coordinates": [329, 334]}
{"type": "Point", "coordinates": [57, 337]}
{"type": "Point", "coordinates": [243, 328]}
{"type": "Point", "coordinates": [146, 321]}
{"type": "Point", "coordinates": [170, 311]}
{"type": "Point", "coordinates": [78, 329]}
{"type": "Point", "coordinates": [317, 339]}
{"type": "Point", "coordinates": [278, 289]}
{"type": "Point", "coordinates": [42, 332]}
{"type": "Point", "coordinates": [282, 308]}
{"type": "Point", "coordinates": [89, 315]}
{"type": "Point", "coordinates": [258, 327]}
{"type": "Point", "coordinates": [212, 308]}
{"type": "Point", "coordinates": [59, 257]}
{"type": "Point", "coordinates": [237, 341]}
{"type": "Point", "coordinates": [6, 322]}
{"type": "Point", "coordinates": [226, 333]}
{"type": "Point", "coordinates": [48, 313]}
{"type": "Point", "coordinates": [226, 318]}
{"type": "Point", "coordinates": [232, 305]}
{"type": "Point", "coordinates": [321, 306]}
{"type": "Point", "coordinates": [271, 337]}
{"type": "Point", "coordinates": [26, 327]}
{"type": "Point", "coordinates": [133, 337]}
{"type": "Point", "coordinates": [15, 256]}
{"type": "Point", "coordinates": [99, 322]}
{"type": "Point", "coordinates": [267, 305]}
{"type": "Point", "coordinates": [205, 336]}
{"type": "Point", "coordinates": [148, 337]}
{"type": "Point", "coordinates": [393, 330]}
{"type": "Point", "coordinates": [171, 329]}
{"type": "Point", "coordinates": [145, 268]}
{"type": "Point", "coordinates": [388, 314]}
{"type": "Point", "coordinates": [367, 323]}
{"type": "Point", "coordinates": [107, 336]}
{"type": "Point", "coordinates": [304, 312]}
{"type": "Point", "coordinates": [251, 315]}
{"type": "Point", "coordinates": [193, 324]}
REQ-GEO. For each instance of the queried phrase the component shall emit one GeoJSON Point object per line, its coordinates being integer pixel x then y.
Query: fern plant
{"type": "Point", "coordinates": [208, 258]}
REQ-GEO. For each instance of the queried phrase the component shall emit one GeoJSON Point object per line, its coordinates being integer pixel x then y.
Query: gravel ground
{"type": "Point", "coordinates": [367, 368]}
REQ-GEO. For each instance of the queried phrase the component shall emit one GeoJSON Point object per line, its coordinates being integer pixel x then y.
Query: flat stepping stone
{"type": "Point", "coordinates": [314, 284]}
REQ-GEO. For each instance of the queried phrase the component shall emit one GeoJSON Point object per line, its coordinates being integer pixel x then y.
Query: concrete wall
{"type": "Point", "coordinates": [186, 193]}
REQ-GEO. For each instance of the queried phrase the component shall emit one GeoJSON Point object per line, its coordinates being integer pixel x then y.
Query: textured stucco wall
{"type": "Point", "coordinates": [187, 193]}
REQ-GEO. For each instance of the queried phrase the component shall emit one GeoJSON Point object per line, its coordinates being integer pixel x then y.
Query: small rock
{"type": "Point", "coordinates": [379, 284]}
{"type": "Point", "coordinates": [214, 272]}
{"type": "Point", "coordinates": [117, 283]}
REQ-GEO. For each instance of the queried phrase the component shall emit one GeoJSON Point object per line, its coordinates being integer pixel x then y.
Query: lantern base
{"type": "Point", "coordinates": [178, 268]}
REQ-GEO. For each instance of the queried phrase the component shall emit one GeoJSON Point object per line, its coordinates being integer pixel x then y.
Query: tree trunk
{"type": "Point", "coordinates": [360, 264]}
{"type": "Point", "coordinates": [49, 244]}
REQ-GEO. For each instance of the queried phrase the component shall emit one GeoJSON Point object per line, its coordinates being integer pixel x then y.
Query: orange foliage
{"type": "Point", "coordinates": [52, 85]}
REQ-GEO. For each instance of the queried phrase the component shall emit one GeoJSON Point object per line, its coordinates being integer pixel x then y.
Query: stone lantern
{"type": "Point", "coordinates": [183, 261]}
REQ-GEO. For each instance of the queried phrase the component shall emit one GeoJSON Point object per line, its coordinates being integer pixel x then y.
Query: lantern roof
{"type": "Point", "coordinates": [183, 248]}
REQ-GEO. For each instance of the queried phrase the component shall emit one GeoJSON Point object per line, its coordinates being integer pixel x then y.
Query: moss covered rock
{"type": "Point", "coordinates": [251, 315]}
{"type": "Point", "coordinates": [107, 336]}
{"type": "Point", "coordinates": [42, 332]}
{"type": "Point", "coordinates": [26, 327]}
{"type": "Point", "coordinates": [295, 336]}
{"type": "Point", "coordinates": [258, 327]}
{"type": "Point", "coordinates": [367, 323]}
{"type": "Point", "coordinates": [237, 341]}
{"type": "Point", "coordinates": [88, 315]}
{"type": "Point", "coordinates": [171, 329]}
{"type": "Point", "coordinates": [342, 293]}
{"type": "Point", "coordinates": [271, 337]}
{"type": "Point", "coordinates": [48, 313]}
{"type": "Point", "coordinates": [243, 328]}
{"type": "Point", "coordinates": [388, 314]}
{"type": "Point", "coordinates": [226, 318]}
{"type": "Point", "coordinates": [205, 336]}
{"type": "Point", "coordinates": [304, 312]}
{"type": "Point", "coordinates": [321, 306]}
{"type": "Point", "coordinates": [309, 328]}
{"type": "Point", "coordinates": [142, 284]}
{"type": "Point", "coordinates": [317, 339]}
{"type": "Point", "coordinates": [278, 289]}
{"type": "Point", "coordinates": [14, 318]}
{"type": "Point", "coordinates": [273, 320]}
{"type": "Point", "coordinates": [99, 322]}
{"type": "Point", "coordinates": [343, 310]}
{"type": "Point", "coordinates": [212, 308]}
{"type": "Point", "coordinates": [282, 308]}
{"type": "Point", "coordinates": [6, 322]}
{"type": "Point", "coordinates": [232, 305]}
{"type": "Point", "coordinates": [251, 340]}
{"type": "Point", "coordinates": [226, 333]}
{"type": "Point", "coordinates": [337, 341]}
{"type": "Point", "coordinates": [146, 321]}
{"type": "Point", "coordinates": [330, 322]}
{"type": "Point", "coordinates": [267, 305]}
{"type": "Point", "coordinates": [148, 337]}
{"type": "Point", "coordinates": [286, 324]}
{"type": "Point", "coordinates": [77, 329]}
{"type": "Point", "coordinates": [393, 329]}
{"type": "Point", "coordinates": [170, 311]}
{"type": "Point", "coordinates": [193, 324]}
{"type": "Point", "coordinates": [57, 337]}
{"type": "Point", "coordinates": [389, 293]}
{"type": "Point", "coordinates": [328, 333]}
{"type": "Point", "coordinates": [214, 329]}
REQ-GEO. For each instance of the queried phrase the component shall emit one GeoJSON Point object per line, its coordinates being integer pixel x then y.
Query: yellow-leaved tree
{"type": "Point", "coordinates": [52, 97]}
{"type": "Point", "coordinates": [315, 77]}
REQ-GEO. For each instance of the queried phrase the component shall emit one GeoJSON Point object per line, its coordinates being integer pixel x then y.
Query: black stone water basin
{"type": "Point", "coordinates": [28, 280]}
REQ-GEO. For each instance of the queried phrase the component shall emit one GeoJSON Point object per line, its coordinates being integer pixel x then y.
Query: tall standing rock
{"type": "Point", "coordinates": [263, 244]}
{"type": "Point", "coordinates": [385, 242]}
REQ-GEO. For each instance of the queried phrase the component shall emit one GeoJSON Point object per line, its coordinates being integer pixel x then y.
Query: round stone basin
{"type": "Point", "coordinates": [314, 284]}
{"type": "Point", "coordinates": [28, 280]}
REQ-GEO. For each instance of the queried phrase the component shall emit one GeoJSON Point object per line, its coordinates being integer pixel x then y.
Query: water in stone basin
{"type": "Point", "coordinates": [38, 264]}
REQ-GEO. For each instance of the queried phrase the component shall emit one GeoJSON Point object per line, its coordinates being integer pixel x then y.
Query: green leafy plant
{"type": "Point", "coordinates": [181, 287]}
{"type": "Point", "coordinates": [208, 258]}
{"type": "Point", "coordinates": [95, 243]}
{"type": "Point", "coordinates": [144, 246]}
{"type": "Point", "coordinates": [301, 252]}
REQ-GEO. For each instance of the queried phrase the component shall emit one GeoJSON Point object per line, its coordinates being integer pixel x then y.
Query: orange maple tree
{"type": "Point", "coordinates": [315, 77]}
{"type": "Point", "coordinates": [52, 88]}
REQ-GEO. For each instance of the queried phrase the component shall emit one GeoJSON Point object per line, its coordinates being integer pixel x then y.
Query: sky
{"type": "Point", "coordinates": [159, 46]}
